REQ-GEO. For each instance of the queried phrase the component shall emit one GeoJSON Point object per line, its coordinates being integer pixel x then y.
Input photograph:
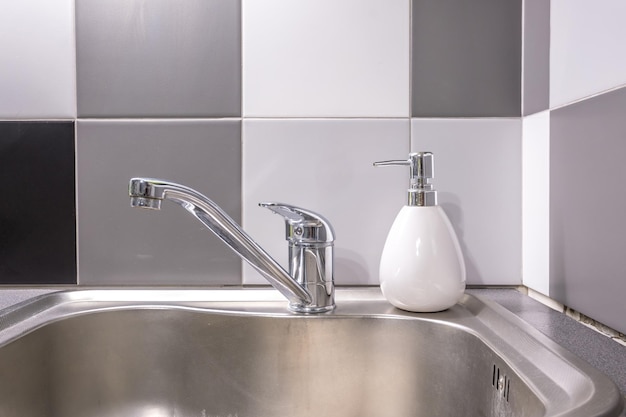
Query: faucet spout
{"type": "Point", "coordinates": [149, 193]}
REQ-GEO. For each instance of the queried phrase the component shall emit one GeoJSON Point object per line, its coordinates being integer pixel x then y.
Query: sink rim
{"type": "Point", "coordinates": [585, 391]}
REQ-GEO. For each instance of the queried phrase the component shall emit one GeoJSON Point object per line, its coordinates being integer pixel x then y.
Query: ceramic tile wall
{"type": "Point", "coordinates": [272, 100]}
{"type": "Point", "coordinates": [587, 227]}
{"type": "Point", "coordinates": [478, 170]}
{"type": "Point", "coordinates": [159, 59]}
{"type": "Point", "coordinates": [37, 75]}
{"type": "Point", "coordinates": [586, 44]}
{"type": "Point", "coordinates": [290, 161]}
{"type": "Point", "coordinates": [536, 201]}
{"type": "Point", "coordinates": [536, 57]}
{"type": "Point", "coordinates": [326, 58]}
{"type": "Point", "coordinates": [572, 147]}
{"type": "Point", "coordinates": [122, 245]}
{"type": "Point", "coordinates": [471, 65]}
{"type": "Point", "coordinates": [37, 211]}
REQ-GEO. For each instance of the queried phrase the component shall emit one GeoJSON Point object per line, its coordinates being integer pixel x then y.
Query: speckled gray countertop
{"type": "Point", "coordinates": [600, 351]}
{"type": "Point", "coordinates": [12, 296]}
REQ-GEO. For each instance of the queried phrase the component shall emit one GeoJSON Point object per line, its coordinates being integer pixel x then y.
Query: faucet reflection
{"type": "Point", "coordinates": [309, 285]}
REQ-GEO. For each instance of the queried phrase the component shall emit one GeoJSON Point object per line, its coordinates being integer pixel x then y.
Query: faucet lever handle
{"type": "Point", "coordinates": [303, 226]}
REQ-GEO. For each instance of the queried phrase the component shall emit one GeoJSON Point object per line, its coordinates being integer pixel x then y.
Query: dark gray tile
{"type": "Point", "coordinates": [37, 210]}
{"type": "Point", "coordinates": [161, 58]}
{"type": "Point", "coordinates": [536, 69]}
{"type": "Point", "coordinates": [587, 226]}
{"type": "Point", "coordinates": [121, 245]}
{"type": "Point", "coordinates": [466, 58]}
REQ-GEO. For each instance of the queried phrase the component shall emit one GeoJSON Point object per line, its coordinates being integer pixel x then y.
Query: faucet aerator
{"type": "Point", "coordinates": [146, 203]}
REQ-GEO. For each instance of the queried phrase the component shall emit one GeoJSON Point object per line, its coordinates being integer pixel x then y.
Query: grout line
{"type": "Point", "coordinates": [242, 58]}
{"type": "Point", "coordinates": [451, 118]}
{"type": "Point", "coordinates": [523, 58]}
{"type": "Point", "coordinates": [597, 326]}
{"type": "Point", "coordinates": [545, 300]}
{"type": "Point", "coordinates": [621, 341]}
{"type": "Point", "coordinates": [587, 321]}
{"type": "Point", "coordinates": [76, 213]}
{"type": "Point", "coordinates": [313, 118]}
{"type": "Point", "coordinates": [271, 118]}
{"type": "Point", "coordinates": [75, 66]}
{"type": "Point", "coordinates": [589, 97]}
{"type": "Point", "coordinates": [156, 119]}
{"type": "Point", "coordinates": [39, 119]}
{"type": "Point", "coordinates": [410, 73]}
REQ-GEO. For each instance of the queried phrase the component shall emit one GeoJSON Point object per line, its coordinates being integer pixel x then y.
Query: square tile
{"type": "Point", "coordinates": [161, 58]}
{"type": "Point", "coordinates": [120, 245]}
{"type": "Point", "coordinates": [478, 168]}
{"type": "Point", "coordinates": [536, 202]}
{"type": "Point", "coordinates": [326, 58]}
{"type": "Point", "coordinates": [466, 58]}
{"type": "Point", "coordinates": [586, 48]}
{"type": "Point", "coordinates": [37, 212]}
{"type": "Point", "coordinates": [536, 65]}
{"type": "Point", "coordinates": [326, 166]}
{"type": "Point", "coordinates": [37, 75]}
{"type": "Point", "coordinates": [587, 227]}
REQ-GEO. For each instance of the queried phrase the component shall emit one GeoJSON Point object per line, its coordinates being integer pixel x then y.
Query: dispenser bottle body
{"type": "Point", "coordinates": [422, 267]}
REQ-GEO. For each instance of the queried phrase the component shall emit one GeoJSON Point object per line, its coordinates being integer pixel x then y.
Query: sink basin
{"type": "Point", "coordinates": [239, 353]}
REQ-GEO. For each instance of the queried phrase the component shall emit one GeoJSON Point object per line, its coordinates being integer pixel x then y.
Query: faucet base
{"type": "Point", "coordinates": [308, 309]}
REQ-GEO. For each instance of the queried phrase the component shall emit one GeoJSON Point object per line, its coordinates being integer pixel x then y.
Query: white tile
{"type": "Point", "coordinates": [586, 49]}
{"type": "Point", "coordinates": [38, 59]}
{"type": "Point", "coordinates": [326, 58]}
{"type": "Point", "coordinates": [478, 176]}
{"type": "Point", "coordinates": [536, 202]}
{"type": "Point", "coordinates": [325, 166]}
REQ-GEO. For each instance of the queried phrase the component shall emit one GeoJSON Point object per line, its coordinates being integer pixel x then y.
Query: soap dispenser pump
{"type": "Point", "coordinates": [421, 267]}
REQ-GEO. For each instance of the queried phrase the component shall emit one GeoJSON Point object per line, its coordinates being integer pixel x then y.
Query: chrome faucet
{"type": "Point", "coordinates": [309, 285]}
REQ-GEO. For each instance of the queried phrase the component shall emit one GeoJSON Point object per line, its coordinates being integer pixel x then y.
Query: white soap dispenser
{"type": "Point", "coordinates": [421, 267]}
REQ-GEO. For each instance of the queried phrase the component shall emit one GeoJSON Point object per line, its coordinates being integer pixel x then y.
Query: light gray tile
{"type": "Point", "coordinates": [587, 226]}
{"type": "Point", "coordinates": [37, 74]}
{"type": "Point", "coordinates": [160, 58]}
{"type": "Point", "coordinates": [478, 176]}
{"type": "Point", "coordinates": [466, 58]}
{"type": "Point", "coordinates": [536, 69]}
{"type": "Point", "coordinates": [326, 166]}
{"type": "Point", "coordinates": [586, 48]}
{"type": "Point", "coordinates": [326, 58]}
{"type": "Point", "coordinates": [122, 245]}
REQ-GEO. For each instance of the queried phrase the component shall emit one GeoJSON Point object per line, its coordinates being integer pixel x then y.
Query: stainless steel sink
{"type": "Point", "coordinates": [222, 353]}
